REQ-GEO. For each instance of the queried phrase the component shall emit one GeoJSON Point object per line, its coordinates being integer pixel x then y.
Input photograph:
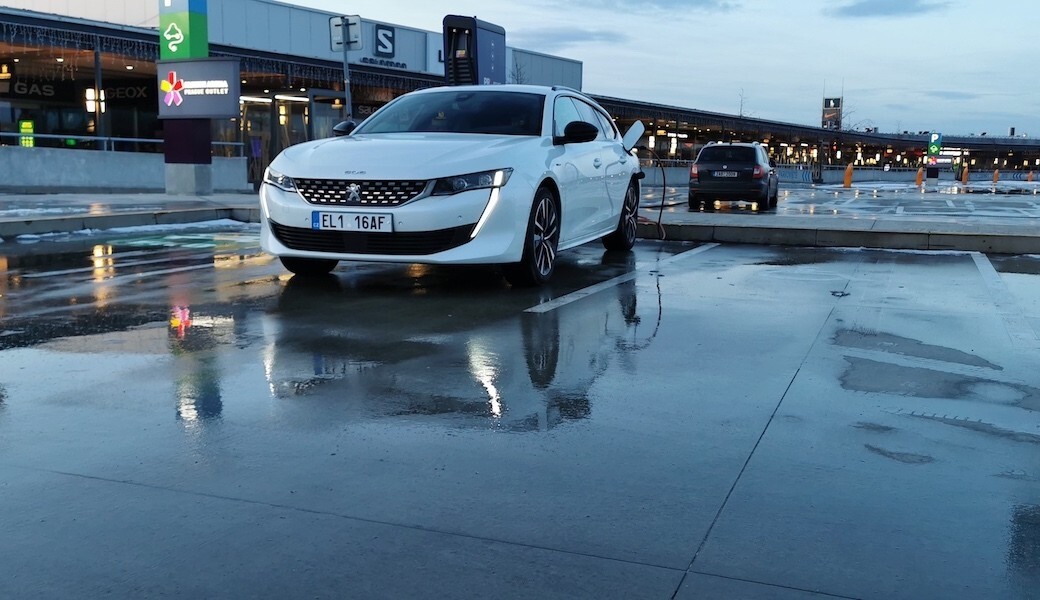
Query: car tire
{"type": "Point", "coordinates": [624, 237]}
{"type": "Point", "coordinates": [775, 200]}
{"type": "Point", "coordinates": [763, 201]}
{"type": "Point", "coordinates": [695, 202]}
{"type": "Point", "coordinates": [540, 244]}
{"type": "Point", "coordinates": [308, 267]}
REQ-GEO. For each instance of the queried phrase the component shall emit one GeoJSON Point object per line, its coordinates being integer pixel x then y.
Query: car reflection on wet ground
{"type": "Point", "coordinates": [179, 417]}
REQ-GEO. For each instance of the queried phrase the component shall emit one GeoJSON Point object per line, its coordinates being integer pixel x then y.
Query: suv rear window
{"type": "Point", "coordinates": [728, 154]}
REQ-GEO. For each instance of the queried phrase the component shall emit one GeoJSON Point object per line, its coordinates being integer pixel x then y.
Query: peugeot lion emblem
{"type": "Point", "coordinates": [355, 193]}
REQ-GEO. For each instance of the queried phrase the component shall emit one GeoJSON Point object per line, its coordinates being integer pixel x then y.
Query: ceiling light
{"type": "Point", "coordinates": [129, 67]}
{"type": "Point", "coordinates": [59, 59]}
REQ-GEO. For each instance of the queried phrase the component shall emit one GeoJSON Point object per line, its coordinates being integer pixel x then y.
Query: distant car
{"type": "Point", "coordinates": [504, 174]}
{"type": "Point", "coordinates": [733, 171]}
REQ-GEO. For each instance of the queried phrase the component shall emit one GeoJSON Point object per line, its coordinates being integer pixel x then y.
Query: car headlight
{"type": "Point", "coordinates": [473, 181]}
{"type": "Point", "coordinates": [279, 181]}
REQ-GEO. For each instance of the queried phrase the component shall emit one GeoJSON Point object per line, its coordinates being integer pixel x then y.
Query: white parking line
{"type": "Point", "coordinates": [1018, 327]}
{"type": "Point", "coordinates": [604, 285]}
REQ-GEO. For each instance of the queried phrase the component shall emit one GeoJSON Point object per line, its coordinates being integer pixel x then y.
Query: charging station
{"type": "Point", "coordinates": [474, 51]}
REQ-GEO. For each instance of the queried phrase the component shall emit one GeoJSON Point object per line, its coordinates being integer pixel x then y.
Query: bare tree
{"type": "Point", "coordinates": [518, 74]}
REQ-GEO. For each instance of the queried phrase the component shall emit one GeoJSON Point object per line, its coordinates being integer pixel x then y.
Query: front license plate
{"type": "Point", "coordinates": [348, 221]}
{"type": "Point", "coordinates": [725, 173]}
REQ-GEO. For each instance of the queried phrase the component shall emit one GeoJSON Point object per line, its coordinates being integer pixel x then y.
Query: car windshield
{"type": "Point", "coordinates": [491, 112]}
{"type": "Point", "coordinates": [727, 154]}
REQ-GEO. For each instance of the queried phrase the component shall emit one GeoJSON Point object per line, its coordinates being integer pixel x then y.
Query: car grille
{"type": "Point", "coordinates": [345, 192]}
{"type": "Point", "coordinates": [351, 242]}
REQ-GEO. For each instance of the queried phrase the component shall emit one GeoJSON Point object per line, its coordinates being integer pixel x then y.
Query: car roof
{"type": "Point", "coordinates": [747, 144]}
{"type": "Point", "coordinates": [542, 90]}
{"type": "Point", "coordinates": [508, 87]}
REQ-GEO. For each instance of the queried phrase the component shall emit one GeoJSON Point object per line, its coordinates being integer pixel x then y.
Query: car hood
{"type": "Point", "coordinates": [404, 155]}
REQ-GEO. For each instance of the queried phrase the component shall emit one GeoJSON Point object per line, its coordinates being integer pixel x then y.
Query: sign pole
{"type": "Point", "coordinates": [349, 114]}
{"type": "Point", "coordinates": [187, 148]}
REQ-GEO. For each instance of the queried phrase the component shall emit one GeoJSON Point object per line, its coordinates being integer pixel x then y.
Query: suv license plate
{"type": "Point", "coordinates": [347, 221]}
{"type": "Point", "coordinates": [725, 173]}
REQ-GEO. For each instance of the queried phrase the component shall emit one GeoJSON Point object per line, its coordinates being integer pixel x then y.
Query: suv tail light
{"type": "Point", "coordinates": [693, 171]}
{"type": "Point", "coordinates": [759, 172]}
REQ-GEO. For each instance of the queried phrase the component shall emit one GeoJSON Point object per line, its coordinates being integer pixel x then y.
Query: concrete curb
{"type": "Point", "coordinates": [45, 225]}
{"type": "Point", "coordinates": [884, 236]}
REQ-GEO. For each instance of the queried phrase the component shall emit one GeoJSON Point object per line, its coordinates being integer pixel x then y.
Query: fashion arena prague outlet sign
{"type": "Point", "coordinates": [198, 89]}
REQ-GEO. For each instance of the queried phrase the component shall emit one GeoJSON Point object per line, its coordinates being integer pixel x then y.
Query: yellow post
{"type": "Point", "coordinates": [848, 176]}
{"type": "Point", "coordinates": [964, 174]}
{"type": "Point", "coordinates": [920, 177]}
{"type": "Point", "coordinates": [996, 175]}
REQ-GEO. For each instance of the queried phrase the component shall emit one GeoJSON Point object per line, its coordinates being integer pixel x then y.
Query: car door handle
{"type": "Point", "coordinates": [597, 163]}
{"type": "Point", "coordinates": [623, 159]}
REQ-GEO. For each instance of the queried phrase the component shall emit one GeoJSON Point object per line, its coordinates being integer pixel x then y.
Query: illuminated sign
{"type": "Point", "coordinates": [934, 144]}
{"type": "Point", "coordinates": [26, 129]}
{"type": "Point", "coordinates": [183, 29]}
{"type": "Point", "coordinates": [6, 72]}
{"type": "Point", "coordinates": [831, 113]}
{"type": "Point", "coordinates": [198, 89]}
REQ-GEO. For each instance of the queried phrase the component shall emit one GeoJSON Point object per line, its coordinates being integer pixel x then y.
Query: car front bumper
{"type": "Point", "coordinates": [484, 226]}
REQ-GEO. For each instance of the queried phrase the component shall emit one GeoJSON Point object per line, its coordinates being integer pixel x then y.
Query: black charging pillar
{"type": "Point", "coordinates": [474, 51]}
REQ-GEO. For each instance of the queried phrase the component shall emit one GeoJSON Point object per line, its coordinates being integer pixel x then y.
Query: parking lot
{"type": "Point", "coordinates": [180, 418]}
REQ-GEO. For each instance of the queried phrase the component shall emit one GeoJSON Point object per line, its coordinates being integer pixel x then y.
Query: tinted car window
{"type": "Point", "coordinates": [591, 115]}
{"type": "Point", "coordinates": [727, 153]}
{"type": "Point", "coordinates": [608, 125]}
{"type": "Point", "coordinates": [565, 113]}
{"type": "Point", "coordinates": [505, 113]}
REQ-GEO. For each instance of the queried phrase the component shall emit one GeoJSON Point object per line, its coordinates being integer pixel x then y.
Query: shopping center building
{"type": "Point", "coordinates": [82, 75]}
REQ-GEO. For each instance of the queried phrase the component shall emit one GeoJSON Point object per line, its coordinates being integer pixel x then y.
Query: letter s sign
{"type": "Point", "coordinates": [384, 41]}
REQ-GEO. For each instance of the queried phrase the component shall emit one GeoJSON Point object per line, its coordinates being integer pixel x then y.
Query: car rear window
{"type": "Point", "coordinates": [727, 153]}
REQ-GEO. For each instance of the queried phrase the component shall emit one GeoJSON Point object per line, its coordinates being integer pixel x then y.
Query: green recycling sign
{"type": "Point", "coordinates": [183, 29]}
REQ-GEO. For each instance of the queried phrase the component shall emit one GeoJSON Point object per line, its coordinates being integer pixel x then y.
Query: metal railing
{"type": "Point", "coordinates": [106, 144]}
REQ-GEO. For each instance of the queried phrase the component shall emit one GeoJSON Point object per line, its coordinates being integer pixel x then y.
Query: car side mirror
{"type": "Point", "coordinates": [577, 132]}
{"type": "Point", "coordinates": [343, 128]}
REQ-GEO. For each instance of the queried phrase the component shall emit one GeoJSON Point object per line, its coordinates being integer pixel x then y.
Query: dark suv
{"type": "Point", "coordinates": [733, 171]}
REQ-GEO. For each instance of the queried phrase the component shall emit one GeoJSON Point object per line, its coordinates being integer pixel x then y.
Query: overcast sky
{"type": "Point", "coordinates": [954, 66]}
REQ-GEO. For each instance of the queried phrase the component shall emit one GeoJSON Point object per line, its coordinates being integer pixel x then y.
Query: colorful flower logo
{"type": "Point", "coordinates": [172, 87]}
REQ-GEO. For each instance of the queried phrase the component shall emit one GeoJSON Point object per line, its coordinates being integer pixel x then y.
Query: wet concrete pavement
{"type": "Point", "coordinates": [695, 421]}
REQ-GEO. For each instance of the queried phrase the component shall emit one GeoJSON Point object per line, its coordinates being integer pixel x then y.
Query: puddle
{"type": "Point", "coordinates": [865, 375]}
{"type": "Point", "coordinates": [1024, 543]}
{"type": "Point", "coordinates": [1021, 265]}
{"type": "Point", "coordinates": [894, 344]}
{"type": "Point", "coordinates": [903, 457]}
{"type": "Point", "coordinates": [985, 428]}
{"type": "Point", "coordinates": [874, 427]}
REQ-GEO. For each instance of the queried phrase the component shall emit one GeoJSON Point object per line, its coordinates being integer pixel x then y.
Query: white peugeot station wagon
{"type": "Point", "coordinates": [503, 174]}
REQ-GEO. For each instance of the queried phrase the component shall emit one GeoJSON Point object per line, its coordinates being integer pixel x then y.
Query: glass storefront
{"type": "Point", "coordinates": [92, 88]}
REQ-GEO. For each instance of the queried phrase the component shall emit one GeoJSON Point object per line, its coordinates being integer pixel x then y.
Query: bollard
{"type": "Point", "coordinates": [964, 174]}
{"type": "Point", "coordinates": [1029, 177]}
{"type": "Point", "coordinates": [920, 177]}
{"type": "Point", "coordinates": [848, 176]}
{"type": "Point", "coordinates": [996, 175]}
